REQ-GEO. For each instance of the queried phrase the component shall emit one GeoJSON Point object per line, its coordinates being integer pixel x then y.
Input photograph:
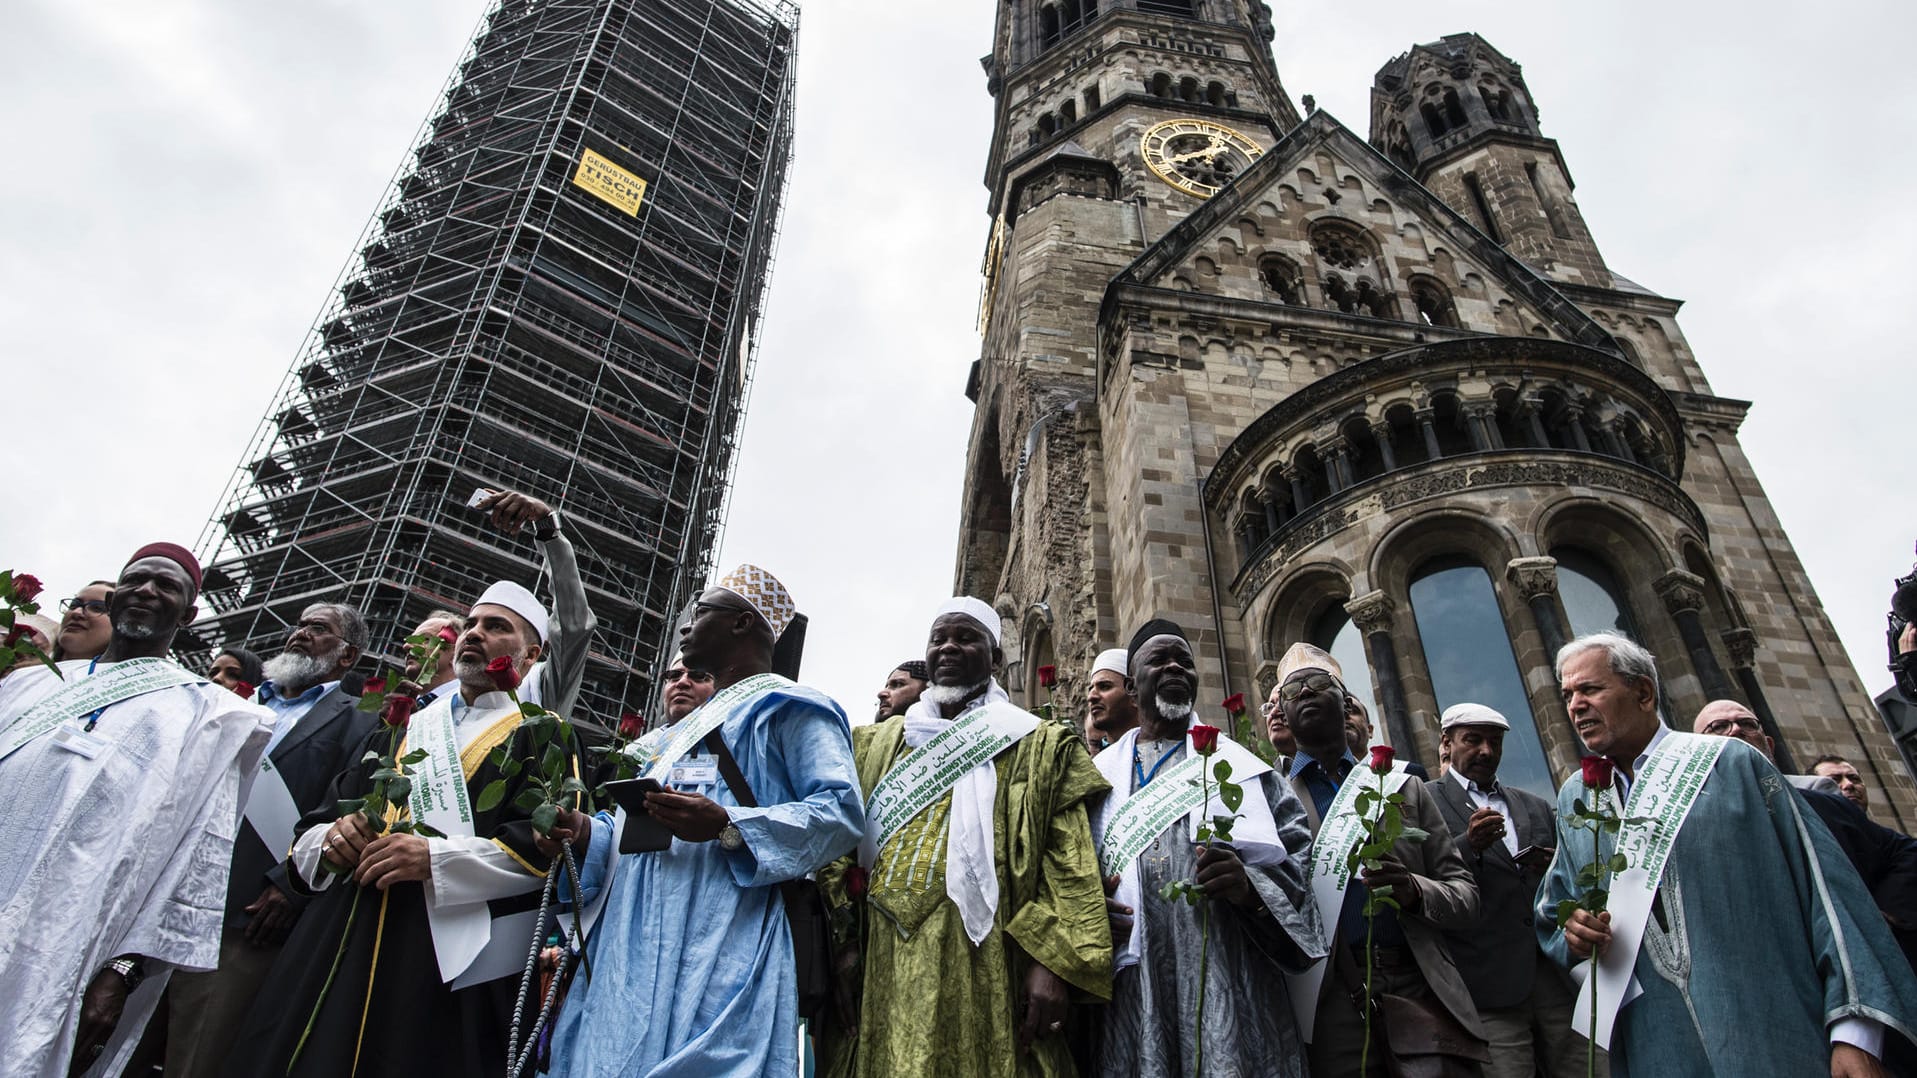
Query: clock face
{"type": "Point", "coordinates": [1197, 156]}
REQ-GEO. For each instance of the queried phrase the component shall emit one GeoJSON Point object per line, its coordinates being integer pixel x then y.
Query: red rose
{"type": "Point", "coordinates": [448, 635]}
{"type": "Point", "coordinates": [1204, 739]}
{"type": "Point", "coordinates": [505, 676]}
{"type": "Point", "coordinates": [243, 690]}
{"type": "Point", "coordinates": [1047, 676]}
{"type": "Point", "coordinates": [1381, 756]}
{"type": "Point", "coordinates": [374, 687]}
{"type": "Point", "coordinates": [399, 710]}
{"type": "Point", "coordinates": [1597, 772]}
{"type": "Point", "coordinates": [1235, 704]}
{"type": "Point", "coordinates": [26, 586]}
{"type": "Point", "coordinates": [857, 882]}
{"type": "Point", "coordinates": [631, 725]}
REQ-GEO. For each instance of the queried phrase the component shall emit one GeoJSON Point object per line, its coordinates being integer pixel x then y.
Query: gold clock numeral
{"type": "Point", "coordinates": [1198, 157]}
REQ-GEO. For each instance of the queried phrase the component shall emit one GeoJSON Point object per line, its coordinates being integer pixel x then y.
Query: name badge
{"type": "Point", "coordinates": [71, 737]}
{"type": "Point", "coordinates": [693, 773]}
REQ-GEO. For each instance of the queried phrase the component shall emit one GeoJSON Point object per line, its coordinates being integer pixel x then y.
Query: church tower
{"type": "Point", "coordinates": [1247, 370]}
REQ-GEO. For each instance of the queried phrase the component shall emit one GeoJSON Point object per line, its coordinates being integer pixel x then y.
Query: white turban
{"type": "Point", "coordinates": [518, 600]}
{"type": "Point", "coordinates": [972, 608]}
{"type": "Point", "coordinates": [1112, 659]}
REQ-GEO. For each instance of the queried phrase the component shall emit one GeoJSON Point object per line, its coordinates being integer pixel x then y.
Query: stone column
{"type": "Point", "coordinates": [1742, 644]}
{"type": "Point", "coordinates": [1534, 422]}
{"type": "Point", "coordinates": [1428, 426]}
{"type": "Point", "coordinates": [1474, 425]}
{"type": "Point", "coordinates": [1382, 434]}
{"type": "Point", "coordinates": [1619, 443]}
{"type": "Point", "coordinates": [1683, 595]}
{"type": "Point", "coordinates": [1537, 581]}
{"type": "Point", "coordinates": [1245, 542]}
{"type": "Point", "coordinates": [1372, 614]}
{"type": "Point", "coordinates": [1574, 422]}
{"type": "Point", "coordinates": [1270, 505]}
{"type": "Point", "coordinates": [1299, 497]}
{"type": "Point", "coordinates": [1330, 460]}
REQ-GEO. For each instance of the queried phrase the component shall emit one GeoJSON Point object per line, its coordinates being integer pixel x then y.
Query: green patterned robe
{"type": "Point", "coordinates": [933, 1004]}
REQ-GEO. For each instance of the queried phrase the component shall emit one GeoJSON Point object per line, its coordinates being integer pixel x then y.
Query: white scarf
{"type": "Point", "coordinates": [1254, 836]}
{"type": "Point", "coordinates": [971, 870]}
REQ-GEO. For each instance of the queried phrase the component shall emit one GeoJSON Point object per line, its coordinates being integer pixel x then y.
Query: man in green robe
{"type": "Point", "coordinates": [975, 912]}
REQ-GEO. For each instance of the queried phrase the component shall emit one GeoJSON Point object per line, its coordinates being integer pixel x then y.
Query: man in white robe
{"type": "Point", "coordinates": [123, 779]}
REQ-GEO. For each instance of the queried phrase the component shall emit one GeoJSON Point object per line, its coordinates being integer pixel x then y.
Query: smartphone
{"type": "Point", "coordinates": [1538, 857]}
{"type": "Point", "coordinates": [642, 833]}
{"type": "Point", "coordinates": [480, 494]}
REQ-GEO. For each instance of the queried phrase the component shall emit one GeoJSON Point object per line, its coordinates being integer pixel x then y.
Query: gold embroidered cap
{"type": "Point", "coordinates": [1308, 657]}
{"type": "Point", "coordinates": [763, 592]}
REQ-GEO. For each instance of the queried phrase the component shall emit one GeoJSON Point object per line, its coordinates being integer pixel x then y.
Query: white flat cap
{"type": "Point", "coordinates": [1471, 715]}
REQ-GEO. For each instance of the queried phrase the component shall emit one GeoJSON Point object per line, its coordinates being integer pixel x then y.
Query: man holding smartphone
{"type": "Point", "coordinates": [1505, 837]}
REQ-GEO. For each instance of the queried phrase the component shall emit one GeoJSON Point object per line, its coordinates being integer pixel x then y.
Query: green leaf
{"type": "Point", "coordinates": [413, 757]}
{"type": "Point", "coordinates": [350, 806]}
{"type": "Point", "coordinates": [554, 761]}
{"type": "Point", "coordinates": [375, 807]}
{"type": "Point", "coordinates": [1565, 909]}
{"type": "Point", "coordinates": [371, 757]}
{"type": "Point", "coordinates": [527, 800]}
{"type": "Point", "coordinates": [1578, 806]}
{"type": "Point", "coordinates": [1413, 834]}
{"type": "Point", "coordinates": [532, 710]}
{"type": "Point", "coordinates": [1221, 770]}
{"type": "Point", "coordinates": [545, 816]}
{"type": "Point", "coordinates": [1204, 832]}
{"type": "Point", "coordinates": [371, 702]}
{"type": "Point", "coordinates": [1618, 863]}
{"type": "Point", "coordinates": [385, 774]}
{"type": "Point", "coordinates": [399, 790]}
{"type": "Point", "coordinates": [511, 767]}
{"type": "Point", "coordinates": [428, 830]}
{"type": "Point", "coordinates": [1381, 892]}
{"type": "Point", "coordinates": [1231, 795]}
{"type": "Point", "coordinates": [572, 786]}
{"type": "Point", "coordinates": [491, 796]}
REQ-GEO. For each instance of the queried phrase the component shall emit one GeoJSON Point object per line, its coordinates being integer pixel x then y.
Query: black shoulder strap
{"type": "Point", "coordinates": [729, 770]}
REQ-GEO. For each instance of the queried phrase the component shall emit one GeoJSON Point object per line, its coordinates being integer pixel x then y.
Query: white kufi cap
{"type": "Point", "coordinates": [763, 592]}
{"type": "Point", "coordinates": [976, 609]}
{"type": "Point", "coordinates": [518, 600]}
{"type": "Point", "coordinates": [1112, 659]}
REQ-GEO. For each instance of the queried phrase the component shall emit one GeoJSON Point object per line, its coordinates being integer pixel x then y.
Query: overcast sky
{"type": "Point", "coordinates": [185, 180]}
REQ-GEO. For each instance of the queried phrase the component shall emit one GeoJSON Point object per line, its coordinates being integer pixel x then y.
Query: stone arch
{"type": "Point", "coordinates": [1439, 531]}
{"type": "Point", "coordinates": [1297, 601]}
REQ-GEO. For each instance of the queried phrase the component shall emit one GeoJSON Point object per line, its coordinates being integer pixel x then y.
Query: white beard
{"type": "Point", "coordinates": [472, 674]}
{"type": "Point", "coordinates": [293, 673]}
{"type": "Point", "coordinates": [1173, 710]}
{"type": "Point", "coordinates": [941, 696]}
{"type": "Point", "coordinates": [134, 630]}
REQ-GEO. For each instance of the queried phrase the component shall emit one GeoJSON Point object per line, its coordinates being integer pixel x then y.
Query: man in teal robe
{"type": "Point", "coordinates": [1763, 953]}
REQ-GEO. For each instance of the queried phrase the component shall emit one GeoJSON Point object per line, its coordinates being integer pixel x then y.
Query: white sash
{"type": "Point", "coordinates": [911, 787]}
{"type": "Point", "coordinates": [82, 696]}
{"type": "Point", "coordinates": [690, 731]}
{"type": "Point", "coordinates": [270, 808]}
{"type": "Point", "coordinates": [694, 727]}
{"type": "Point", "coordinates": [439, 799]}
{"type": "Point", "coordinates": [1130, 820]}
{"type": "Point", "coordinates": [1338, 832]}
{"type": "Point", "coordinates": [1663, 792]}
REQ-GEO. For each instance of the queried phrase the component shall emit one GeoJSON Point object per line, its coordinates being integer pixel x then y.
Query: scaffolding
{"type": "Point", "coordinates": [504, 323]}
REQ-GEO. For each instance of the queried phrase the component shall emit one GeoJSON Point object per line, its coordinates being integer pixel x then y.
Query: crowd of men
{"type": "Point", "coordinates": [246, 871]}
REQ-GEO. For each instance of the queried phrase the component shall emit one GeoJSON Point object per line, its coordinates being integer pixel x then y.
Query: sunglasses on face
{"type": "Point", "coordinates": [91, 606]}
{"type": "Point", "coordinates": [1292, 690]}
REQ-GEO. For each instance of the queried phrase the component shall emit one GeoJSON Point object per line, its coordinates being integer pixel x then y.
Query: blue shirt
{"type": "Point", "coordinates": [288, 711]}
{"type": "Point", "coordinates": [1323, 785]}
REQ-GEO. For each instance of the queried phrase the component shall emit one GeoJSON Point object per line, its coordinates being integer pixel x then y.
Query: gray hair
{"type": "Point", "coordinates": [1629, 659]}
{"type": "Point", "coordinates": [351, 622]}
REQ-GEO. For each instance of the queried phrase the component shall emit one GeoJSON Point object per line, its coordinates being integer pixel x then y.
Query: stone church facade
{"type": "Point", "coordinates": [1247, 370]}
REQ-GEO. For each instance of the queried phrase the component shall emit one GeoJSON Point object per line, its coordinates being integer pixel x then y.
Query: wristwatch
{"type": "Point", "coordinates": [131, 970]}
{"type": "Point", "coordinates": [547, 529]}
{"type": "Point", "coordinates": [730, 838]}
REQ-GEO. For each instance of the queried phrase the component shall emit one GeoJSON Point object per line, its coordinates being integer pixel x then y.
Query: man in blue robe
{"type": "Point", "coordinates": [1761, 952]}
{"type": "Point", "coordinates": [691, 959]}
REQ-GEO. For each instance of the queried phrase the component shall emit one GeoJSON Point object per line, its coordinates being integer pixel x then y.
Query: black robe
{"type": "Point", "coordinates": [413, 1023]}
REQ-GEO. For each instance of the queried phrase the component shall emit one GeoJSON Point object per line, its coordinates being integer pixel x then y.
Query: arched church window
{"type": "Point", "coordinates": [1407, 441]}
{"type": "Point", "coordinates": [1091, 99]}
{"type": "Point", "coordinates": [1367, 459]}
{"type": "Point", "coordinates": [1340, 247]}
{"type": "Point", "coordinates": [1497, 102]}
{"type": "Point", "coordinates": [1282, 277]}
{"type": "Point", "coordinates": [1160, 85]}
{"type": "Point", "coordinates": [1433, 119]}
{"type": "Point", "coordinates": [1309, 469]}
{"type": "Point", "coordinates": [1467, 653]}
{"type": "Point", "coordinates": [1048, 25]}
{"type": "Point", "coordinates": [1593, 600]}
{"type": "Point", "coordinates": [1507, 421]}
{"type": "Point", "coordinates": [1068, 112]}
{"type": "Point", "coordinates": [1433, 302]}
{"type": "Point", "coordinates": [1335, 632]}
{"type": "Point", "coordinates": [1188, 89]}
{"type": "Point", "coordinates": [1215, 94]}
{"type": "Point", "coordinates": [1047, 126]}
{"type": "Point", "coordinates": [1357, 296]}
{"type": "Point", "coordinates": [1454, 439]}
{"type": "Point", "coordinates": [1453, 110]}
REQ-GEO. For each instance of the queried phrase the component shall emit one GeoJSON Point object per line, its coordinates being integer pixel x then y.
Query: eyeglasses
{"type": "Point", "coordinates": [697, 677]}
{"type": "Point", "coordinates": [700, 606]}
{"type": "Point", "coordinates": [1723, 727]}
{"type": "Point", "coordinates": [1271, 711]}
{"type": "Point", "coordinates": [315, 628]}
{"type": "Point", "coordinates": [91, 606]}
{"type": "Point", "coordinates": [1292, 690]}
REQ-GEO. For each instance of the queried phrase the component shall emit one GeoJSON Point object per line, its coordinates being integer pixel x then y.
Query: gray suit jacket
{"type": "Point", "coordinates": [1498, 951]}
{"type": "Point", "coordinates": [1447, 895]}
